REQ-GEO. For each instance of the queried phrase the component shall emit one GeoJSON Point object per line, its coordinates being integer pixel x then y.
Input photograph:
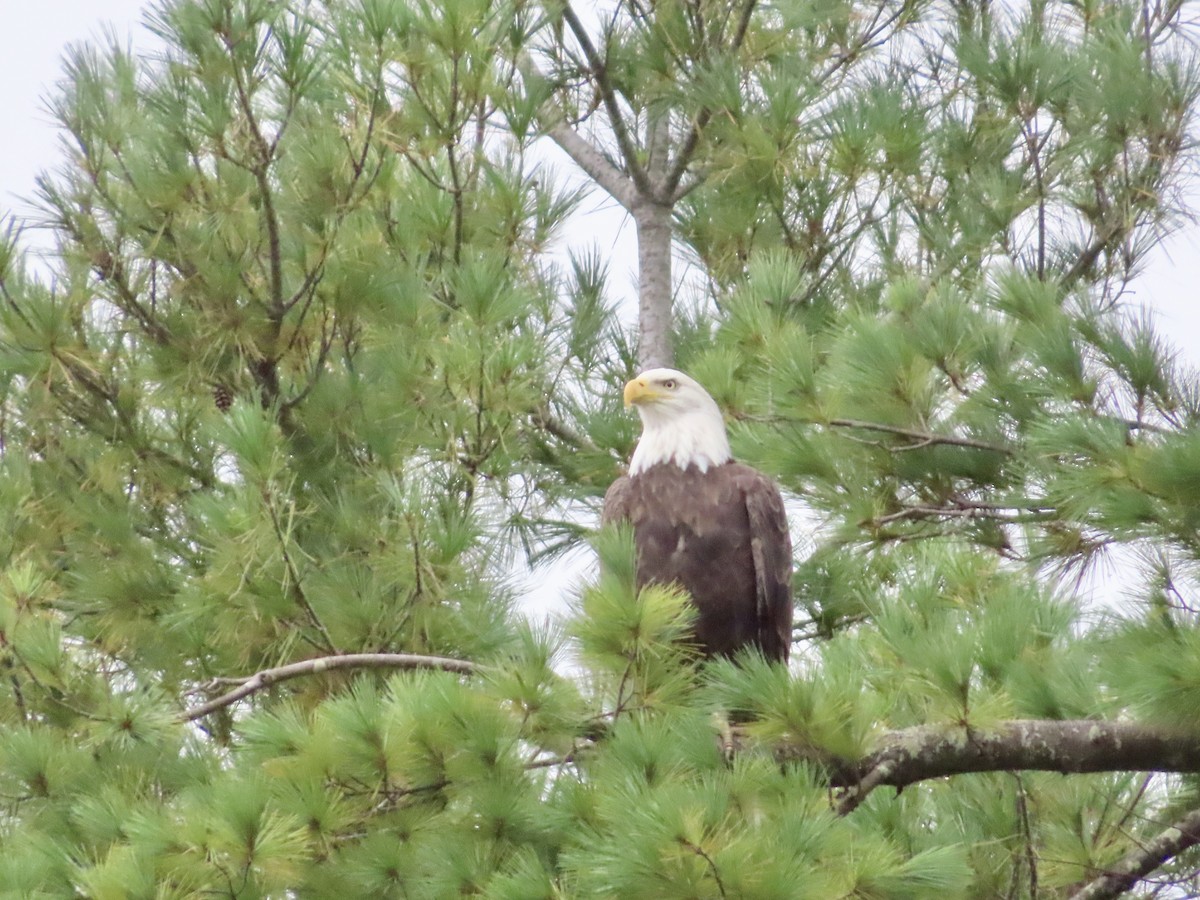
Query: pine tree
{"type": "Point", "coordinates": [305, 376]}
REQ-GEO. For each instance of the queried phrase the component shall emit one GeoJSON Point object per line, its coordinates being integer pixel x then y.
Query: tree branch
{"type": "Point", "coordinates": [297, 591]}
{"type": "Point", "coordinates": [598, 167]}
{"type": "Point", "coordinates": [924, 437]}
{"type": "Point", "coordinates": [599, 73]}
{"type": "Point", "coordinates": [584, 154]}
{"type": "Point", "coordinates": [256, 682]}
{"type": "Point", "coordinates": [544, 418]}
{"type": "Point", "coordinates": [260, 168]}
{"type": "Point", "coordinates": [658, 150]}
{"type": "Point", "coordinates": [671, 191]}
{"type": "Point", "coordinates": [965, 510]}
{"type": "Point", "coordinates": [923, 752]}
{"type": "Point", "coordinates": [1120, 877]}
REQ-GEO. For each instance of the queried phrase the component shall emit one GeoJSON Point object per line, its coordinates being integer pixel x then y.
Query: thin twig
{"type": "Point", "coordinates": [1031, 859]}
{"type": "Point", "coordinates": [965, 511]}
{"type": "Point", "coordinates": [599, 73]}
{"type": "Point", "coordinates": [712, 866]}
{"type": "Point", "coordinates": [923, 436]}
{"type": "Point", "coordinates": [670, 186]}
{"type": "Point", "coordinates": [1124, 874]}
{"type": "Point", "coordinates": [253, 683]}
{"type": "Point", "coordinates": [294, 575]}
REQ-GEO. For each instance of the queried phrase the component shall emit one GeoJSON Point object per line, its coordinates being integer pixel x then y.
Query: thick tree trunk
{"type": "Point", "coordinates": [653, 222]}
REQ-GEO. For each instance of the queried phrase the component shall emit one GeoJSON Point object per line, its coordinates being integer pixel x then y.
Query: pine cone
{"type": "Point", "coordinates": [223, 397]}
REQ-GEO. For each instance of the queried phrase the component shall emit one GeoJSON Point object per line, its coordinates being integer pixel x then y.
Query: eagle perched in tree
{"type": "Point", "coordinates": [713, 526]}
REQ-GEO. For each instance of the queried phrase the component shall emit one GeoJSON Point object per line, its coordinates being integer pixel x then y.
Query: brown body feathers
{"type": "Point", "coordinates": [721, 534]}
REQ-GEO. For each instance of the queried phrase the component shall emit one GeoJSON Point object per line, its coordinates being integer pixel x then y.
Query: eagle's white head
{"type": "Point", "coordinates": [681, 423]}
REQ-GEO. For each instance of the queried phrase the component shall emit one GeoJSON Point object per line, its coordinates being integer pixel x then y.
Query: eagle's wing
{"type": "Point", "coordinates": [616, 502]}
{"type": "Point", "coordinates": [771, 547]}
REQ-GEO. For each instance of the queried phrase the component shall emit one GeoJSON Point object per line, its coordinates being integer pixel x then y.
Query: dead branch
{"type": "Point", "coordinates": [267, 677]}
{"type": "Point", "coordinates": [924, 752]}
{"type": "Point", "coordinates": [925, 438]}
{"type": "Point", "coordinates": [1121, 876]}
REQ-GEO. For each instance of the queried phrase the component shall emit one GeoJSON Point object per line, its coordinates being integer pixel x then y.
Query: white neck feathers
{"type": "Point", "coordinates": [694, 438]}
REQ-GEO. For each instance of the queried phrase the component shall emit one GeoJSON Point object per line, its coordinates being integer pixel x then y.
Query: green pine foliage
{"type": "Point", "coordinates": [307, 369]}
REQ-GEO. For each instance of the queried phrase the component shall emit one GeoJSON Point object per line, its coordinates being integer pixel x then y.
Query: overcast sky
{"type": "Point", "coordinates": [31, 51]}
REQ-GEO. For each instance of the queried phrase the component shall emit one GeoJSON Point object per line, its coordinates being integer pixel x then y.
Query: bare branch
{"type": "Point", "coordinates": [544, 418]}
{"type": "Point", "coordinates": [267, 677]}
{"type": "Point", "coordinates": [582, 152]}
{"type": "Point", "coordinates": [593, 162]}
{"type": "Point", "coordinates": [671, 189]}
{"type": "Point", "coordinates": [260, 168]}
{"type": "Point", "coordinates": [1120, 877]}
{"type": "Point", "coordinates": [923, 752]}
{"type": "Point", "coordinates": [965, 510]}
{"type": "Point", "coordinates": [658, 149]}
{"type": "Point", "coordinates": [297, 585]}
{"type": "Point", "coordinates": [608, 96]}
{"type": "Point", "coordinates": [924, 437]}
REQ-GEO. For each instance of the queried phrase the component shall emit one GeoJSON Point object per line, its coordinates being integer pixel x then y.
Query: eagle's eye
{"type": "Point", "coordinates": [669, 384]}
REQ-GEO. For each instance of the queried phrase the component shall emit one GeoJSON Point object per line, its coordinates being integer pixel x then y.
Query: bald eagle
{"type": "Point", "coordinates": [713, 526]}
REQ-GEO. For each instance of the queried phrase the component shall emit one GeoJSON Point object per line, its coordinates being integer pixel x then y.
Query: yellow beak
{"type": "Point", "coordinates": [637, 390]}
